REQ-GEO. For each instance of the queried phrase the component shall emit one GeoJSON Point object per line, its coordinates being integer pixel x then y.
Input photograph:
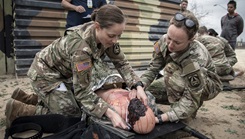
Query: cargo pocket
{"type": "Point", "coordinates": [32, 74]}
{"type": "Point", "coordinates": [84, 78]}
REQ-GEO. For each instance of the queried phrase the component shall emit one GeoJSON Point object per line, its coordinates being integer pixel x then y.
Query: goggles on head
{"type": "Point", "coordinates": [188, 22]}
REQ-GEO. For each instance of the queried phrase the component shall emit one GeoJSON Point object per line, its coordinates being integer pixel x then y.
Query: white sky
{"type": "Point", "coordinates": [212, 20]}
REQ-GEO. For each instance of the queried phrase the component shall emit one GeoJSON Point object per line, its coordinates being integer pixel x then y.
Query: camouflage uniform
{"type": "Point", "coordinates": [229, 52]}
{"type": "Point", "coordinates": [75, 61]}
{"type": "Point", "coordinates": [216, 49]}
{"type": "Point", "coordinates": [189, 78]}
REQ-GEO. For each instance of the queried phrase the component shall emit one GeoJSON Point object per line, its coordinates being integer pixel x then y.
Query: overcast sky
{"type": "Point", "coordinates": [212, 20]}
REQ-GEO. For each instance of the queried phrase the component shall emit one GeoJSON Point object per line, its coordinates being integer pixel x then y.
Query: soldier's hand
{"type": "Point", "coordinates": [132, 94]}
{"type": "Point", "coordinates": [116, 119]}
{"type": "Point", "coordinates": [141, 95]}
{"type": "Point", "coordinates": [80, 9]}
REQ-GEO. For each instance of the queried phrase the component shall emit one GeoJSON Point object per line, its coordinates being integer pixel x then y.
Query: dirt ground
{"type": "Point", "coordinates": [220, 118]}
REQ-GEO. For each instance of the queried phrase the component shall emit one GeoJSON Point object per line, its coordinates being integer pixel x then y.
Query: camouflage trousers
{"type": "Point", "coordinates": [55, 101]}
{"type": "Point", "coordinates": [224, 70]}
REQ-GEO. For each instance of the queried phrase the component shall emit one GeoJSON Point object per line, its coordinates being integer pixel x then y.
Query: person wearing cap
{"type": "Point", "coordinates": [229, 52]}
{"type": "Point", "coordinates": [231, 24]}
{"type": "Point", "coordinates": [216, 49]}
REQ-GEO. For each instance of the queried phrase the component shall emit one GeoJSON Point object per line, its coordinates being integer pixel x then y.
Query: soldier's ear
{"type": "Point", "coordinates": [97, 25]}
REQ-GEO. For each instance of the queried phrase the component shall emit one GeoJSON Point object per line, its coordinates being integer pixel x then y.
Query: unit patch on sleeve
{"type": "Point", "coordinates": [116, 49]}
{"type": "Point", "coordinates": [83, 65]}
{"type": "Point", "coordinates": [194, 80]}
{"type": "Point", "coordinates": [156, 47]}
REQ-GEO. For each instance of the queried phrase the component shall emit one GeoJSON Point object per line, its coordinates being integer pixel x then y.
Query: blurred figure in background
{"type": "Point", "coordinates": [229, 52]}
{"type": "Point", "coordinates": [183, 5]}
{"type": "Point", "coordinates": [216, 49]}
{"type": "Point", "coordinates": [79, 11]}
{"type": "Point", "coordinates": [231, 24]}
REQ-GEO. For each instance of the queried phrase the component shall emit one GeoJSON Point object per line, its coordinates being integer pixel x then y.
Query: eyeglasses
{"type": "Point", "coordinates": [188, 22]}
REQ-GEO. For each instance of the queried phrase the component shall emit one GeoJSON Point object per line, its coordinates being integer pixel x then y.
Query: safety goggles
{"type": "Point", "coordinates": [188, 22]}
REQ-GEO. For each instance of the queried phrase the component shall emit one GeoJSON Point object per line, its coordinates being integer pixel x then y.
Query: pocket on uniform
{"type": "Point", "coordinates": [32, 74]}
{"type": "Point", "coordinates": [84, 78]}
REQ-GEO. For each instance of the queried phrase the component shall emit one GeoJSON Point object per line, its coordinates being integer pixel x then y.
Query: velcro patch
{"type": "Point", "coordinates": [116, 49]}
{"type": "Point", "coordinates": [156, 47]}
{"type": "Point", "coordinates": [194, 80]}
{"type": "Point", "coordinates": [83, 65]}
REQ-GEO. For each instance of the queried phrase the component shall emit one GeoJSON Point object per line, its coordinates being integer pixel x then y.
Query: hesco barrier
{"type": "Point", "coordinates": [2, 44]}
{"type": "Point", "coordinates": [38, 22]}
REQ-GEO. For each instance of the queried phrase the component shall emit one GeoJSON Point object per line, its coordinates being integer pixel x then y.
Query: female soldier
{"type": "Point", "coordinates": [74, 62]}
{"type": "Point", "coordinates": [189, 73]}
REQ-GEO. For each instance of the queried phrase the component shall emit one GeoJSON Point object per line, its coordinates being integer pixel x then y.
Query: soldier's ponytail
{"type": "Point", "coordinates": [108, 15]}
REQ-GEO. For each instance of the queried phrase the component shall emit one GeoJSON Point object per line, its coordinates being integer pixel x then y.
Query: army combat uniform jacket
{"type": "Point", "coordinates": [75, 60]}
{"type": "Point", "coordinates": [200, 81]}
{"type": "Point", "coordinates": [216, 48]}
{"type": "Point", "coordinates": [229, 52]}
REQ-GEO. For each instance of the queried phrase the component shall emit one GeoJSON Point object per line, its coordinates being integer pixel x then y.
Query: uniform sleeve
{"type": "Point", "coordinates": [230, 54]}
{"type": "Point", "coordinates": [156, 64]}
{"type": "Point", "coordinates": [191, 98]}
{"type": "Point", "coordinates": [81, 64]}
{"type": "Point", "coordinates": [122, 65]}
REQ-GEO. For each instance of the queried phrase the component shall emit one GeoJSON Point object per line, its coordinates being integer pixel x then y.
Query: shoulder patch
{"type": "Point", "coordinates": [83, 65]}
{"type": "Point", "coordinates": [193, 80]}
{"type": "Point", "coordinates": [116, 49]}
{"type": "Point", "coordinates": [156, 47]}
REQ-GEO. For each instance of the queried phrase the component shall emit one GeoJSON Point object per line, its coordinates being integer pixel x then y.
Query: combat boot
{"type": "Point", "coordinates": [22, 96]}
{"type": "Point", "coordinates": [15, 109]}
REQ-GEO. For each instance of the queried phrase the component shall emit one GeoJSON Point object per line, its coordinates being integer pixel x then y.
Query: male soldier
{"type": "Point", "coordinates": [229, 52]}
{"type": "Point", "coordinates": [231, 24]}
{"type": "Point", "coordinates": [216, 49]}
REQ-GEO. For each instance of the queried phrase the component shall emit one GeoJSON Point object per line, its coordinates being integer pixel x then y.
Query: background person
{"type": "Point", "coordinates": [183, 5]}
{"type": "Point", "coordinates": [229, 52]}
{"type": "Point", "coordinates": [79, 11]}
{"type": "Point", "coordinates": [216, 49]}
{"type": "Point", "coordinates": [63, 73]}
{"type": "Point", "coordinates": [231, 24]}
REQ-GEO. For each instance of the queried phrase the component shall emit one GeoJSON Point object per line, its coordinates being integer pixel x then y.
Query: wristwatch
{"type": "Point", "coordinates": [139, 83]}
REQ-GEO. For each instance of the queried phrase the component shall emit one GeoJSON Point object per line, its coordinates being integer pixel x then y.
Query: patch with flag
{"type": "Point", "coordinates": [83, 65]}
{"type": "Point", "coordinates": [156, 47]}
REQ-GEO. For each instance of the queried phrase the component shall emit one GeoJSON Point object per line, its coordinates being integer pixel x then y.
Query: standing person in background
{"type": "Point", "coordinates": [79, 11]}
{"type": "Point", "coordinates": [183, 5]}
{"type": "Point", "coordinates": [231, 24]}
